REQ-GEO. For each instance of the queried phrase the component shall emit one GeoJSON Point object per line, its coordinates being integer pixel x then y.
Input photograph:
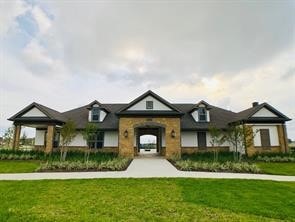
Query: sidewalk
{"type": "Point", "coordinates": [143, 168]}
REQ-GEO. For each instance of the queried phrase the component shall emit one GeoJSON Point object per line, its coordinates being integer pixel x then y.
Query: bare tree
{"type": "Point", "coordinates": [8, 136]}
{"type": "Point", "coordinates": [240, 137]}
{"type": "Point", "coordinates": [89, 134]}
{"type": "Point", "coordinates": [68, 133]}
{"type": "Point", "coordinates": [217, 139]}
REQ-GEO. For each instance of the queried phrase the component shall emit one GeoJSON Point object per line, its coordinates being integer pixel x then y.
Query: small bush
{"type": "Point", "coordinates": [109, 165]}
{"type": "Point", "coordinates": [236, 167]}
{"type": "Point", "coordinates": [223, 156]}
{"type": "Point", "coordinates": [9, 154]}
{"type": "Point", "coordinates": [275, 158]}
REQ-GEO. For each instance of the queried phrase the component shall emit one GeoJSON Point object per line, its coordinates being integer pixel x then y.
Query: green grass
{"type": "Point", "coordinates": [147, 200]}
{"type": "Point", "coordinates": [277, 168]}
{"type": "Point", "coordinates": [18, 166]}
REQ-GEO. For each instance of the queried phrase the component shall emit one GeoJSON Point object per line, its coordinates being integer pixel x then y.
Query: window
{"type": "Point", "coordinates": [202, 114]}
{"type": "Point", "coordinates": [264, 136]}
{"type": "Point", "coordinates": [95, 114]}
{"type": "Point", "coordinates": [202, 142]}
{"type": "Point", "coordinates": [97, 141]}
{"type": "Point", "coordinates": [149, 104]}
{"type": "Point", "coordinates": [56, 139]}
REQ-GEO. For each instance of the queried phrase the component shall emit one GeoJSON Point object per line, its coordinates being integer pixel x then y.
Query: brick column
{"type": "Point", "coordinates": [250, 150]}
{"type": "Point", "coordinates": [49, 139]}
{"type": "Point", "coordinates": [16, 137]}
{"type": "Point", "coordinates": [282, 138]}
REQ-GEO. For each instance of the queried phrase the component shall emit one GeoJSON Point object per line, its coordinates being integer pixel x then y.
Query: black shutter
{"type": "Point", "coordinates": [264, 136]}
{"type": "Point", "coordinates": [202, 142]}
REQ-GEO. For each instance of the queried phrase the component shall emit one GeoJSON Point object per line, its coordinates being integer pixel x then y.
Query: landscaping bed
{"type": "Point", "coordinates": [117, 164]}
{"type": "Point", "coordinates": [20, 161]}
{"type": "Point", "coordinates": [232, 167]}
{"type": "Point", "coordinates": [272, 163]}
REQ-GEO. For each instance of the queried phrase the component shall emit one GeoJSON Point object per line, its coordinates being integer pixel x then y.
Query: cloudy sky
{"type": "Point", "coordinates": [64, 54]}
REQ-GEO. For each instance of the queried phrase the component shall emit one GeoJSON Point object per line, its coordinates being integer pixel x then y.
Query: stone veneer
{"type": "Point", "coordinates": [126, 144]}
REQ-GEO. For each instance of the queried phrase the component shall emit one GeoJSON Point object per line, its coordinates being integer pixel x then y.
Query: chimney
{"type": "Point", "coordinates": [255, 104]}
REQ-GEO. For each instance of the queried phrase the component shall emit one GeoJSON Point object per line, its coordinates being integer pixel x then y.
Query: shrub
{"type": "Point", "coordinates": [236, 167]}
{"type": "Point", "coordinates": [275, 158]}
{"type": "Point", "coordinates": [110, 165]}
{"type": "Point", "coordinates": [9, 154]}
{"type": "Point", "coordinates": [223, 156]}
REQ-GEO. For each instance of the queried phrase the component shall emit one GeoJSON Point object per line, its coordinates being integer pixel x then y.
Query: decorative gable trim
{"type": "Point", "coordinates": [143, 96]}
{"type": "Point", "coordinates": [34, 112]}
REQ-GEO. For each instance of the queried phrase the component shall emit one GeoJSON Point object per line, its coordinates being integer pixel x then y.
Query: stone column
{"type": "Point", "coordinates": [282, 138]}
{"type": "Point", "coordinates": [16, 136]}
{"type": "Point", "coordinates": [49, 139]}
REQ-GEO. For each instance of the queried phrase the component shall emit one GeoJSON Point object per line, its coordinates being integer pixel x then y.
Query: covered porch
{"type": "Point", "coordinates": [41, 118]}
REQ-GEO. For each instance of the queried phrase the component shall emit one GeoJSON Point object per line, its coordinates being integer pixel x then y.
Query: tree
{"type": "Point", "coordinates": [240, 137]}
{"type": "Point", "coordinates": [217, 139]}
{"type": "Point", "coordinates": [8, 136]}
{"type": "Point", "coordinates": [68, 133]}
{"type": "Point", "coordinates": [89, 134]}
{"type": "Point", "coordinates": [24, 139]}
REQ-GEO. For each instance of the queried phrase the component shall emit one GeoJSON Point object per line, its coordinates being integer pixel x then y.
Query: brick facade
{"type": "Point", "coordinates": [283, 147]}
{"type": "Point", "coordinates": [127, 126]}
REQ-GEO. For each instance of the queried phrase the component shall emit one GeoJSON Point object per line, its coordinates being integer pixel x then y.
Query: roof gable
{"type": "Point", "coordinates": [160, 104]}
{"type": "Point", "coordinates": [264, 112]}
{"type": "Point", "coordinates": [261, 111]}
{"type": "Point", "coordinates": [48, 113]}
{"type": "Point", "coordinates": [34, 112]}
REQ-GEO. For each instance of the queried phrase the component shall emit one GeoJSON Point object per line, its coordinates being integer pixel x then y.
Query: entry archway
{"type": "Point", "coordinates": [156, 132]}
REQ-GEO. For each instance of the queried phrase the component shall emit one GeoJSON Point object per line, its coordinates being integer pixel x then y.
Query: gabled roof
{"type": "Point", "coordinates": [248, 113]}
{"type": "Point", "coordinates": [196, 106]}
{"type": "Point", "coordinates": [50, 113]}
{"type": "Point", "coordinates": [89, 106]}
{"type": "Point", "coordinates": [149, 93]}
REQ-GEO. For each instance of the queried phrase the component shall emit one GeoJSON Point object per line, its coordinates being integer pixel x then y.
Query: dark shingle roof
{"type": "Point", "coordinates": [219, 117]}
{"type": "Point", "coordinates": [50, 113]}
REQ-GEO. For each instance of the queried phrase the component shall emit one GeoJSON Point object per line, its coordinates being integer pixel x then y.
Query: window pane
{"type": "Point", "coordinates": [149, 105]}
{"type": "Point", "coordinates": [92, 145]}
{"type": "Point", "coordinates": [95, 117]}
{"type": "Point", "coordinates": [202, 114]}
{"type": "Point", "coordinates": [202, 143]}
{"type": "Point", "coordinates": [99, 144]}
{"type": "Point", "coordinates": [264, 136]}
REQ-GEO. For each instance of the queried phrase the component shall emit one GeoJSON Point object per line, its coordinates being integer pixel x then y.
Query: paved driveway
{"type": "Point", "coordinates": [143, 168]}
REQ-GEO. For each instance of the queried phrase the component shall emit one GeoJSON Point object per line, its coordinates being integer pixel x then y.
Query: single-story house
{"type": "Point", "coordinates": [179, 127]}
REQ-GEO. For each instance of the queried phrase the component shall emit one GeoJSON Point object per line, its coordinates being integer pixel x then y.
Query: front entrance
{"type": "Point", "coordinates": [153, 145]}
{"type": "Point", "coordinates": [166, 130]}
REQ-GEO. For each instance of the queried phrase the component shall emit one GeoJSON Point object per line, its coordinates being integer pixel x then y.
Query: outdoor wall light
{"type": "Point", "coordinates": [125, 133]}
{"type": "Point", "coordinates": [173, 134]}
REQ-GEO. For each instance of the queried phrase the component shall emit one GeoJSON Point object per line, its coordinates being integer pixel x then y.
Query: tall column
{"type": "Point", "coordinates": [16, 137]}
{"type": "Point", "coordinates": [49, 139]}
{"type": "Point", "coordinates": [282, 138]}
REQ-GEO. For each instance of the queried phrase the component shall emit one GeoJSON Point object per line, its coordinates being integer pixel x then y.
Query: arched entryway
{"type": "Point", "coordinates": [155, 130]}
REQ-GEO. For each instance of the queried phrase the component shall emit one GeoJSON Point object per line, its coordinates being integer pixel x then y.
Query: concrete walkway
{"type": "Point", "coordinates": [143, 168]}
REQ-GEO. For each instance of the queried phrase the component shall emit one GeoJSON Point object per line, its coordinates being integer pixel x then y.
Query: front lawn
{"type": "Point", "coordinates": [18, 166]}
{"type": "Point", "coordinates": [277, 168]}
{"type": "Point", "coordinates": [147, 200]}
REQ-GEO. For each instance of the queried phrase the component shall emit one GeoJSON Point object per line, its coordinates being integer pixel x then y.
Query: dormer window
{"type": "Point", "coordinates": [149, 105]}
{"type": "Point", "coordinates": [95, 114]}
{"type": "Point", "coordinates": [202, 114]}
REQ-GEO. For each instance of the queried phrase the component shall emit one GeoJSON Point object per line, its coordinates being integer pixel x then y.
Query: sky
{"type": "Point", "coordinates": [65, 54]}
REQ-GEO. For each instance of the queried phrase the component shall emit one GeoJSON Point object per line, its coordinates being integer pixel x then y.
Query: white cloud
{"type": "Point", "coordinates": [42, 20]}
{"type": "Point", "coordinates": [229, 53]}
{"type": "Point", "coordinates": [9, 10]}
